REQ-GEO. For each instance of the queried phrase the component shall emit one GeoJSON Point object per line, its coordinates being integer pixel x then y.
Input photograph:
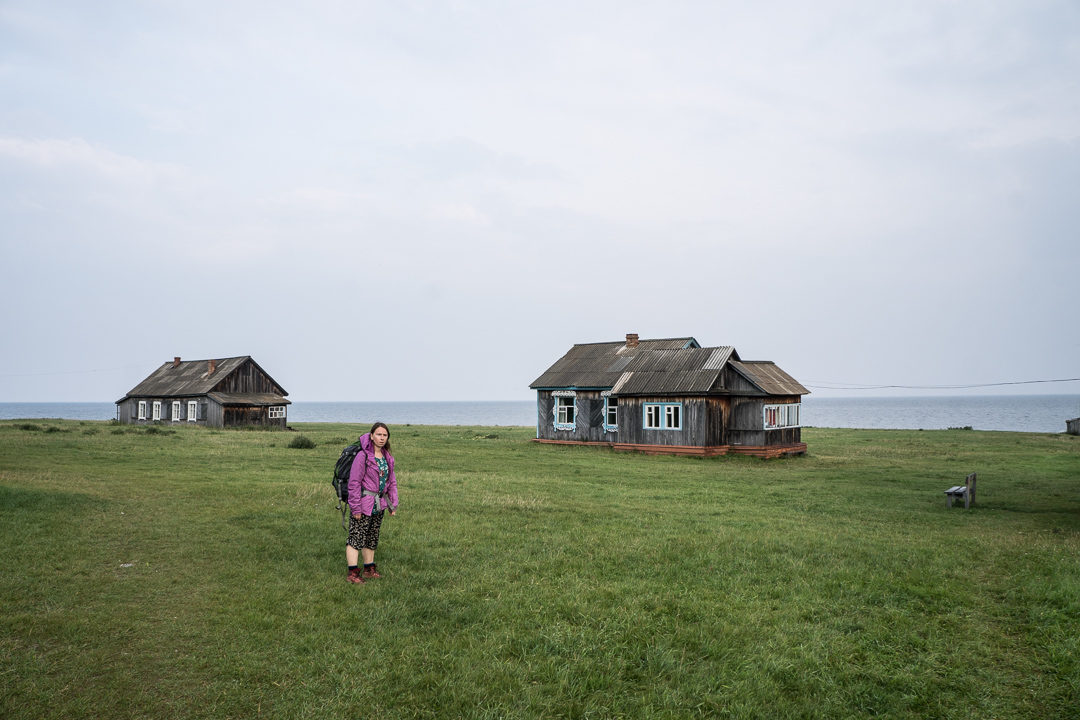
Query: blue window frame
{"type": "Point", "coordinates": [611, 414]}
{"type": "Point", "coordinates": [662, 416]}
{"type": "Point", "coordinates": [565, 412]}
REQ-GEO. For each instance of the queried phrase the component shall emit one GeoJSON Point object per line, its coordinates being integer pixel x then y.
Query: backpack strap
{"type": "Point", "coordinates": [347, 510]}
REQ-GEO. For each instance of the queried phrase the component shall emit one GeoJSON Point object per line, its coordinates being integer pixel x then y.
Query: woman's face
{"type": "Point", "coordinates": [379, 437]}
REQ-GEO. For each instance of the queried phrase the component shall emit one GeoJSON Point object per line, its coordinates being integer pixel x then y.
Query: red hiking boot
{"type": "Point", "coordinates": [371, 572]}
{"type": "Point", "coordinates": [354, 576]}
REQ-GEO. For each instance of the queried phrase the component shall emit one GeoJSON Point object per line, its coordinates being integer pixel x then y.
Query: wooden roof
{"type": "Point", "coordinates": [675, 366]}
{"type": "Point", "coordinates": [191, 378]}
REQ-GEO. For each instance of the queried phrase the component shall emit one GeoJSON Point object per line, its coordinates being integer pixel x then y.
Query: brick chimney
{"type": "Point", "coordinates": [176, 362]}
{"type": "Point", "coordinates": [211, 365]}
{"type": "Point", "coordinates": [631, 340]}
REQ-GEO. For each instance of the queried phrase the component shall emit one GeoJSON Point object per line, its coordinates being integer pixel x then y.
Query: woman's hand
{"type": "Point", "coordinates": [393, 512]}
{"type": "Point", "coordinates": [358, 516]}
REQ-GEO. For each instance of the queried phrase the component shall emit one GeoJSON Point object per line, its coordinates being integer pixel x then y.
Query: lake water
{"type": "Point", "coordinates": [1027, 413]}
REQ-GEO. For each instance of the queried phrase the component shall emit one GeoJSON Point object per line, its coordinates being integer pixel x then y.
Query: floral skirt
{"type": "Point", "coordinates": [364, 532]}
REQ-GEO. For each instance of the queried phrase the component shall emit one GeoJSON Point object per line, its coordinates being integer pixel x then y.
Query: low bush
{"type": "Point", "coordinates": [302, 442]}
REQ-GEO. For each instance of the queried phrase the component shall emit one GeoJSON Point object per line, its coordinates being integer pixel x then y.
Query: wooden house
{"type": "Point", "coordinates": [669, 396]}
{"type": "Point", "coordinates": [219, 393]}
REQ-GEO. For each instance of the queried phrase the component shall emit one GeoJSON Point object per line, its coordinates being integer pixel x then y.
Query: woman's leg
{"type": "Point", "coordinates": [371, 541]}
{"type": "Point", "coordinates": [352, 555]}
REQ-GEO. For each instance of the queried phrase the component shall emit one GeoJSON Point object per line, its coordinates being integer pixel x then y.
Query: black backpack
{"type": "Point", "coordinates": [341, 479]}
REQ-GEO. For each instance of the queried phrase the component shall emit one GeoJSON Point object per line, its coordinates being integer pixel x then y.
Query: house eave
{"type": "Point", "coordinates": [167, 395]}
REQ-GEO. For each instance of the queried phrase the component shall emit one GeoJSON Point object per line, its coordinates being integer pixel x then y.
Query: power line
{"type": "Point", "coordinates": [829, 385]}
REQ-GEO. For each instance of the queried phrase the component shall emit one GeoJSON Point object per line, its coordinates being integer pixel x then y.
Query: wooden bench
{"type": "Point", "coordinates": [966, 491]}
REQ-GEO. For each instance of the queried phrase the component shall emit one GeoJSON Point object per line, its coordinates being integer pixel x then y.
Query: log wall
{"type": "Point", "coordinates": [695, 417]}
{"type": "Point", "coordinates": [715, 424]}
{"type": "Point", "coordinates": [247, 379]}
{"type": "Point", "coordinates": [588, 422]}
{"type": "Point", "coordinates": [128, 411]}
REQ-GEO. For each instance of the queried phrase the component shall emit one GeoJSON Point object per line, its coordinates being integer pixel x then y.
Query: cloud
{"type": "Point", "coordinates": [872, 178]}
{"type": "Point", "coordinates": [54, 153]}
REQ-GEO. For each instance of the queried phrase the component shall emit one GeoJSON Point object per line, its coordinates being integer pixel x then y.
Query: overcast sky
{"type": "Point", "coordinates": [435, 200]}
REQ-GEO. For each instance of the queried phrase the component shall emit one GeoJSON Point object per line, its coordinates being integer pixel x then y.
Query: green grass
{"type": "Point", "coordinates": [525, 580]}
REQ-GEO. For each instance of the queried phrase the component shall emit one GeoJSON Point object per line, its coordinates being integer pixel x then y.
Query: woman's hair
{"type": "Point", "coordinates": [386, 447]}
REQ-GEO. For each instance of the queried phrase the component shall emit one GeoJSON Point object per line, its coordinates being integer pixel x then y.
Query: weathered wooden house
{"type": "Point", "coordinates": [669, 396]}
{"type": "Point", "coordinates": [220, 393]}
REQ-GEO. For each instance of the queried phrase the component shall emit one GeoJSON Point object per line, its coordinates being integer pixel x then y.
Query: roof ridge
{"type": "Point", "coordinates": [233, 357]}
{"type": "Point", "coordinates": [643, 340]}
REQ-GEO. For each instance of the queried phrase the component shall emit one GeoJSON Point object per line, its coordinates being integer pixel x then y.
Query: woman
{"type": "Point", "coordinates": [372, 490]}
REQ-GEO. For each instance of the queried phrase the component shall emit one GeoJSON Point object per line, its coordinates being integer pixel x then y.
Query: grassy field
{"type": "Point", "coordinates": [196, 573]}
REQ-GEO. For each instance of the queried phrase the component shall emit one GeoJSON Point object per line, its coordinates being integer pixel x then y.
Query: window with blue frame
{"type": "Point", "coordinates": [662, 416]}
{"type": "Point", "coordinates": [611, 414]}
{"type": "Point", "coordinates": [565, 412]}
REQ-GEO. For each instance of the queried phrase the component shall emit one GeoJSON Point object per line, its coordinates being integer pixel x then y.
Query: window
{"type": "Point", "coordinates": [611, 414]}
{"type": "Point", "coordinates": [142, 409]}
{"type": "Point", "coordinates": [782, 416]}
{"type": "Point", "coordinates": [673, 417]}
{"type": "Point", "coordinates": [157, 409]}
{"type": "Point", "coordinates": [175, 411]}
{"type": "Point", "coordinates": [565, 409]}
{"type": "Point", "coordinates": [191, 407]}
{"type": "Point", "coordinates": [277, 412]}
{"type": "Point", "coordinates": [663, 416]}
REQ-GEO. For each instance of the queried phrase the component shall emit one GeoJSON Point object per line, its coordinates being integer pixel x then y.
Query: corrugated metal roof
{"type": "Point", "coordinates": [188, 378]}
{"type": "Point", "coordinates": [597, 364]}
{"type": "Point", "coordinates": [659, 367]}
{"type": "Point", "coordinates": [252, 399]}
{"type": "Point", "coordinates": [718, 357]}
{"type": "Point", "coordinates": [655, 366]}
{"type": "Point", "coordinates": [771, 379]}
{"type": "Point", "coordinates": [665, 383]}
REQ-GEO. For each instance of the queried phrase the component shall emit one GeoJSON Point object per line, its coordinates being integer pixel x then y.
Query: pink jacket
{"type": "Point", "coordinates": [364, 481]}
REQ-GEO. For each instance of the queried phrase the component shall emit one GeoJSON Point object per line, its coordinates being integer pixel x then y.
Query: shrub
{"type": "Point", "coordinates": [302, 442]}
{"type": "Point", "coordinates": [54, 429]}
{"type": "Point", "coordinates": [965, 427]}
{"type": "Point", "coordinates": [89, 431]}
{"type": "Point", "coordinates": [29, 426]}
{"type": "Point", "coordinates": [117, 431]}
